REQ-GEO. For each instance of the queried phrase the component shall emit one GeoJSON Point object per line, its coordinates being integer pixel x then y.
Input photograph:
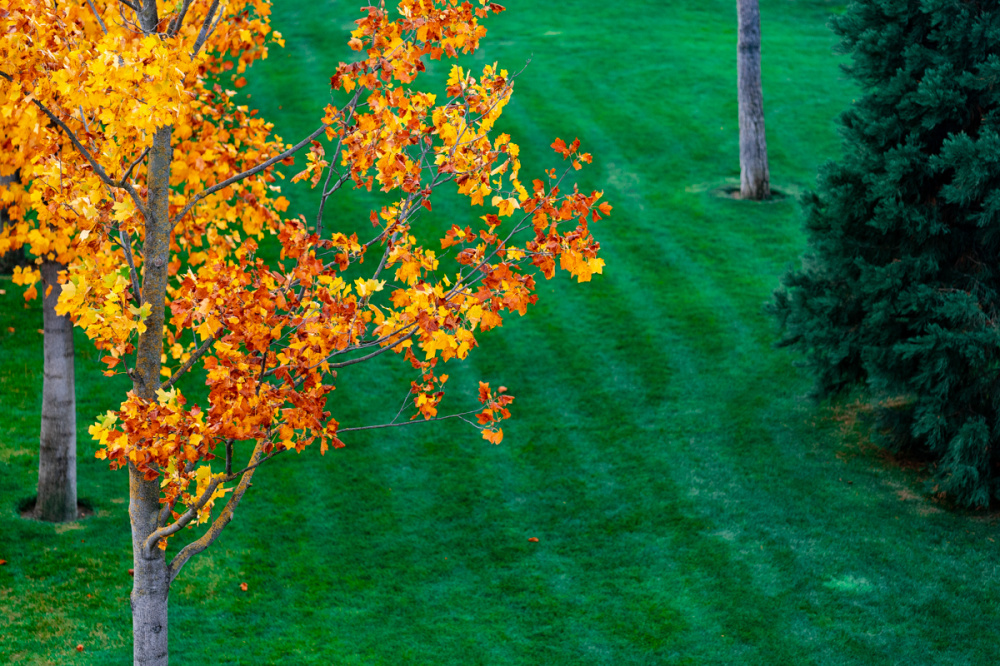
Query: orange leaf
{"type": "Point", "coordinates": [243, 586]}
{"type": "Point", "coordinates": [493, 437]}
{"type": "Point", "coordinates": [533, 539]}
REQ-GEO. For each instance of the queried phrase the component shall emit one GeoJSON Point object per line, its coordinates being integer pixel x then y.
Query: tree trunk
{"type": "Point", "coordinates": [14, 257]}
{"type": "Point", "coordinates": [754, 176]}
{"type": "Point", "coordinates": [151, 586]}
{"type": "Point", "coordinates": [57, 451]}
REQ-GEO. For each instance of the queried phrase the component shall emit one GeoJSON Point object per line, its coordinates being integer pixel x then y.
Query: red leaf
{"type": "Point", "coordinates": [79, 648]}
{"type": "Point", "coordinates": [243, 586]}
{"type": "Point", "coordinates": [533, 539]}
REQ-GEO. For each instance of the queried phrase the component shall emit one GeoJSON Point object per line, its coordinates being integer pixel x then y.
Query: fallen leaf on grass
{"type": "Point", "coordinates": [243, 586]}
{"type": "Point", "coordinates": [3, 562]}
{"type": "Point", "coordinates": [532, 538]}
{"type": "Point", "coordinates": [79, 648]}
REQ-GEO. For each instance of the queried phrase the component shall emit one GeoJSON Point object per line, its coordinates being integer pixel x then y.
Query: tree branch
{"type": "Point", "coordinates": [195, 355]}
{"type": "Point", "coordinates": [97, 16]}
{"type": "Point", "coordinates": [126, 241]}
{"type": "Point", "coordinates": [219, 523]}
{"type": "Point", "coordinates": [98, 169]}
{"type": "Point", "coordinates": [206, 27]}
{"type": "Point", "coordinates": [128, 172]}
{"type": "Point", "coordinates": [175, 25]}
{"type": "Point", "coordinates": [406, 423]}
{"type": "Point", "coordinates": [149, 17]}
{"type": "Point", "coordinates": [246, 174]}
{"type": "Point", "coordinates": [181, 523]}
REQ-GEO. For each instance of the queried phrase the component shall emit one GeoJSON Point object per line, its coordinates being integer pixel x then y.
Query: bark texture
{"type": "Point", "coordinates": [151, 586]}
{"type": "Point", "coordinates": [754, 175]}
{"type": "Point", "coordinates": [56, 500]}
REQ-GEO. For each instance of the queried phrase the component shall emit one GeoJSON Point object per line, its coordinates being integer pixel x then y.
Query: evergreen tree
{"type": "Point", "coordinates": [899, 289]}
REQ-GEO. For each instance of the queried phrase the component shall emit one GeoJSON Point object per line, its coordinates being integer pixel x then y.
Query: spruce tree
{"type": "Point", "coordinates": [899, 289]}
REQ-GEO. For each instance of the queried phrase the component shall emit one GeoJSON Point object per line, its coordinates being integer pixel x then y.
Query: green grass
{"type": "Point", "coordinates": [691, 504]}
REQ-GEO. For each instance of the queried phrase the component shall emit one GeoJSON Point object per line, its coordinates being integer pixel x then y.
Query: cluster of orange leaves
{"type": "Point", "coordinates": [273, 337]}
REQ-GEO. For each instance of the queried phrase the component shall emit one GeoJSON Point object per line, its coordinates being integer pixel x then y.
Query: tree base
{"type": "Point", "coordinates": [26, 509]}
{"type": "Point", "coordinates": [734, 193]}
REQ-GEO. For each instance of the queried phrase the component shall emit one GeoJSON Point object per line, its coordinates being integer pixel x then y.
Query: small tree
{"type": "Point", "coordinates": [900, 288]}
{"type": "Point", "coordinates": [49, 235]}
{"type": "Point", "coordinates": [755, 180]}
{"type": "Point", "coordinates": [272, 337]}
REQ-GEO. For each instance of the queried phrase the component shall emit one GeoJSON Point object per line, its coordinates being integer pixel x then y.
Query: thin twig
{"type": "Point", "coordinates": [128, 172]}
{"type": "Point", "coordinates": [246, 174]}
{"type": "Point", "coordinates": [126, 241]}
{"type": "Point", "coordinates": [406, 423]}
{"type": "Point", "coordinates": [195, 355]}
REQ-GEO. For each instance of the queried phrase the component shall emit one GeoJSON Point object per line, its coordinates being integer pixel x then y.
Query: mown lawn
{"type": "Point", "coordinates": [691, 504]}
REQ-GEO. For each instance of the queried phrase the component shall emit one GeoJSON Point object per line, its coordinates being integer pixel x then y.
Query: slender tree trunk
{"type": "Point", "coordinates": [57, 451]}
{"type": "Point", "coordinates": [14, 257]}
{"type": "Point", "coordinates": [151, 586]}
{"type": "Point", "coordinates": [754, 176]}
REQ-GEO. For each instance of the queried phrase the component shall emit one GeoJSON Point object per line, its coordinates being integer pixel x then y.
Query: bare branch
{"type": "Point", "coordinates": [128, 172]}
{"type": "Point", "coordinates": [351, 107]}
{"type": "Point", "coordinates": [219, 523]}
{"type": "Point", "coordinates": [129, 5]}
{"type": "Point", "coordinates": [406, 423]}
{"type": "Point", "coordinates": [274, 454]}
{"type": "Point", "coordinates": [182, 522]}
{"type": "Point", "coordinates": [126, 241]}
{"type": "Point", "coordinates": [175, 25]}
{"type": "Point", "coordinates": [207, 27]}
{"type": "Point", "coordinates": [195, 355]}
{"type": "Point", "coordinates": [98, 16]}
{"type": "Point", "coordinates": [246, 174]}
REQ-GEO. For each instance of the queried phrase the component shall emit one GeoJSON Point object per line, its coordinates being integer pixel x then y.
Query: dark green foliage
{"type": "Point", "coordinates": [899, 287]}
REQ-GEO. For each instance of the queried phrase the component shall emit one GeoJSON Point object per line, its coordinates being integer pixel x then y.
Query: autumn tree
{"type": "Point", "coordinates": [175, 188]}
{"type": "Point", "coordinates": [48, 234]}
{"type": "Point", "coordinates": [755, 179]}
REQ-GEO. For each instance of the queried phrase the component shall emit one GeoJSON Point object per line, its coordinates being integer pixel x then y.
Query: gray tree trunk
{"type": "Point", "coordinates": [151, 586]}
{"type": "Point", "coordinates": [754, 175]}
{"type": "Point", "coordinates": [56, 500]}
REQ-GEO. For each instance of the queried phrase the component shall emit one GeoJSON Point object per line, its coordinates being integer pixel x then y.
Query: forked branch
{"type": "Point", "coordinates": [219, 523]}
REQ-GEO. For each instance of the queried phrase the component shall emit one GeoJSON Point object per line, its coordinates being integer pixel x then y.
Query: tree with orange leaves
{"type": "Point", "coordinates": [167, 166]}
